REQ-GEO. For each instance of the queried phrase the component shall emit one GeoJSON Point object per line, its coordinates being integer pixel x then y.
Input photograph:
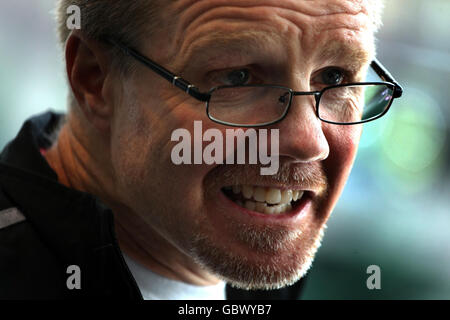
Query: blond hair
{"type": "Point", "coordinates": [125, 20]}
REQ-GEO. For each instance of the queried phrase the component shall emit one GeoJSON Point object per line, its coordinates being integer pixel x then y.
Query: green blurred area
{"type": "Point", "coordinates": [394, 212]}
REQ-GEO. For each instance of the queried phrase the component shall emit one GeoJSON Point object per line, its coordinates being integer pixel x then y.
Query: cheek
{"type": "Point", "coordinates": [142, 147]}
{"type": "Point", "coordinates": [343, 142]}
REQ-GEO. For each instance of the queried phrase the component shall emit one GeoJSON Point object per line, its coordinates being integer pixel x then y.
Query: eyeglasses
{"type": "Point", "coordinates": [265, 104]}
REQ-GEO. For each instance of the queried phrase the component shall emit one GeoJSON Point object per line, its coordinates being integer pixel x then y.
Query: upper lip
{"type": "Point", "coordinates": [309, 178]}
{"type": "Point", "coordinates": [312, 189]}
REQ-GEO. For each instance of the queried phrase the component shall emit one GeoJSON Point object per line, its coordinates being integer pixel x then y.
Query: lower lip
{"type": "Point", "coordinates": [297, 213]}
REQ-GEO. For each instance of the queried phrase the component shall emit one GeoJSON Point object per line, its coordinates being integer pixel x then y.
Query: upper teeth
{"type": "Point", "coordinates": [270, 195]}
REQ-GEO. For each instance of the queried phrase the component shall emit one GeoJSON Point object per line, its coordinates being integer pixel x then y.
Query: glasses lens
{"type": "Point", "coordinates": [355, 103]}
{"type": "Point", "coordinates": [248, 105]}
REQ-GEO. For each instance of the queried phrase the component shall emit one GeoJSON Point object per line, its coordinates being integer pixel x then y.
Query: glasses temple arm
{"type": "Point", "coordinates": [166, 74]}
{"type": "Point", "coordinates": [386, 75]}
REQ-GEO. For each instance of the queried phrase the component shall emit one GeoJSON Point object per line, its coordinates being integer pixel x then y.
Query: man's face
{"type": "Point", "coordinates": [185, 209]}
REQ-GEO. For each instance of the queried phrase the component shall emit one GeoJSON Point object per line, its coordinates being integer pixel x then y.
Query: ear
{"type": "Point", "coordinates": [87, 69]}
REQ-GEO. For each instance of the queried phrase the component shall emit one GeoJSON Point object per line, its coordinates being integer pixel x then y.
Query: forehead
{"type": "Point", "coordinates": [190, 10]}
{"type": "Point", "coordinates": [303, 25]}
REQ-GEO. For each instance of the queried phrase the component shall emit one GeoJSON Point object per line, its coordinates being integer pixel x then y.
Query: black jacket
{"type": "Point", "coordinates": [46, 227]}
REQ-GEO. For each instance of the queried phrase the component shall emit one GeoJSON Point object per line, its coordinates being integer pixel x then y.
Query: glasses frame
{"type": "Point", "coordinates": [193, 91]}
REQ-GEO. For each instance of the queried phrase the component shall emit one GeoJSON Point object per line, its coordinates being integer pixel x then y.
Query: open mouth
{"type": "Point", "coordinates": [271, 201]}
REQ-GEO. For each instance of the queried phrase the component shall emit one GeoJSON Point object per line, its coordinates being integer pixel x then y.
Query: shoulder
{"type": "Point", "coordinates": [28, 269]}
{"type": "Point", "coordinates": [45, 230]}
{"type": "Point", "coordinates": [10, 217]}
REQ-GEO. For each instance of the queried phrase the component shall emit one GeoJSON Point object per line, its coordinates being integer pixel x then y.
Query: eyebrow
{"type": "Point", "coordinates": [233, 44]}
{"type": "Point", "coordinates": [238, 45]}
{"type": "Point", "coordinates": [355, 56]}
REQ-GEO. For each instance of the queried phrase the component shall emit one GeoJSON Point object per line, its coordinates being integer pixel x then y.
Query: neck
{"type": "Point", "coordinates": [79, 168]}
{"type": "Point", "coordinates": [74, 164]}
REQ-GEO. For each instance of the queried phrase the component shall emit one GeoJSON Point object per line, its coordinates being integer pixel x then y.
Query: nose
{"type": "Point", "coordinates": [301, 135]}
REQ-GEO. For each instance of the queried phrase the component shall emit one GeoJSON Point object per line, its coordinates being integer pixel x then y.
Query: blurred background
{"type": "Point", "coordinates": [395, 210]}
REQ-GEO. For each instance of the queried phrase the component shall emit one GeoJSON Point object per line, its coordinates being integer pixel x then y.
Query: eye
{"type": "Point", "coordinates": [330, 77]}
{"type": "Point", "coordinates": [236, 77]}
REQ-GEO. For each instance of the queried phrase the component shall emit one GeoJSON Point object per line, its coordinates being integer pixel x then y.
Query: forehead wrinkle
{"type": "Point", "coordinates": [313, 8]}
{"type": "Point", "coordinates": [191, 12]}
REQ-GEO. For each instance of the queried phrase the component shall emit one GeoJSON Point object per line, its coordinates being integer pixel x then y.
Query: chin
{"type": "Point", "coordinates": [258, 258]}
